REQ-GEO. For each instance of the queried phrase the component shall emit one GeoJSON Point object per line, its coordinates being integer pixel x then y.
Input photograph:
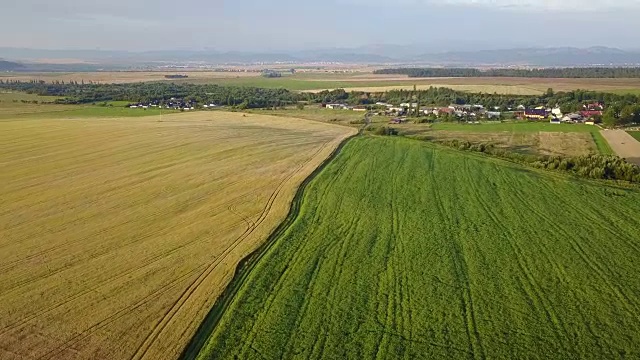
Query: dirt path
{"type": "Point", "coordinates": [623, 144]}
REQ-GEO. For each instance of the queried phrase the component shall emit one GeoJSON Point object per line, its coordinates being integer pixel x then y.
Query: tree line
{"type": "Point", "coordinates": [620, 109]}
{"type": "Point", "coordinates": [579, 72]}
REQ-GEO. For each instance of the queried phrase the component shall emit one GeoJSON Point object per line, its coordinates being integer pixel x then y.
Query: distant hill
{"type": "Point", "coordinates": [10, 66]}
{"type": "Point", "coordinates": [374, 54]}
{"type": "Point", "coordinates": [566, 56]}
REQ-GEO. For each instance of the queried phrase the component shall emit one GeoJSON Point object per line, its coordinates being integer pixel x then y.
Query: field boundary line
{"type": "Point", "coordinates": [244, 267]}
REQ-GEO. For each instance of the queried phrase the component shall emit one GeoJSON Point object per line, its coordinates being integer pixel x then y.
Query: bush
{"type": "Point", "coordinates": [385, 131]}
{"type": "Point", "coordinates": [592, 166]}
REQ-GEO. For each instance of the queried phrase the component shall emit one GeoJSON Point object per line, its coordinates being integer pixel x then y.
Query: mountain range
{"type": "Point", "coordinates": [374, 54]}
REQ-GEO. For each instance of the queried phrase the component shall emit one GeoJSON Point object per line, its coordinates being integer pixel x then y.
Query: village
{"type": "Point", "coordinates": [475, 113]}
{"type": "Point", "coordinates": [400, 113]}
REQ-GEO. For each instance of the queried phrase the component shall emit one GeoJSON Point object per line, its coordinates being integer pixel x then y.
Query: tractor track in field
{"type": "Point", "coordinates": [245, 266]}
{"type": "Point", "coordinates": [142, 350]}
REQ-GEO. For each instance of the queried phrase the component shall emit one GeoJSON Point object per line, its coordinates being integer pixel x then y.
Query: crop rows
{"type": "Point", "coordinates": [117, 235]}
{"type": "Point", "coordinates": [403, 250]}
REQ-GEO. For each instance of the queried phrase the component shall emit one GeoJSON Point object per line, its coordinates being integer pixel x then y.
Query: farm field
{"type": "Point", "coordinates": [624, 145]}
{"type": "Point", "coordinates": [405, 250]}
{"type": "Point", "coordinates": [361, 81]}
{"type": "Point", "coordinates": [120, 77]}
{"type": "Point", "coordinates": [635, 134]}
{"type": "Point", "coordinates": [13, 108]}
{"type": "Point", "coordinates": [524, 137]}
{"type": "Point", "coordinates": [341, 117]}
{"type": "Point", "coordinates": [118, 234]}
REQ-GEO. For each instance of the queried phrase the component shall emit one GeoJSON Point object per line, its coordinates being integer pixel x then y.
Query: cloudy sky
{"type": "Point", "coordinates": [278, 25]}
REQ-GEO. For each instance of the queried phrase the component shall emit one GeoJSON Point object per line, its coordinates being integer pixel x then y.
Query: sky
{"type": "Point", "coordinates": [285, 25]}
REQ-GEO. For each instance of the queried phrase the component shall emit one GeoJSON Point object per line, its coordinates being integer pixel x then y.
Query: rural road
{"type": "Point", "coordinates": [623, 144]}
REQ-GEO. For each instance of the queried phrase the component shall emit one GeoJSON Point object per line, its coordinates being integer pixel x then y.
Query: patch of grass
{"type": "Point", "coordinates": [132, 227]}
{"type": "Point", "coordinates": [635, 134]}
{"type": "Point", "coordinates": [601, 143]}
{"type": "Point", "coordinates": [405, 250]}
{"type": "Point", "coordinates": [515, 127]}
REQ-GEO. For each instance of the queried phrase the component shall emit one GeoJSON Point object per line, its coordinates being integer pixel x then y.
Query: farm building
{"type": "Point", "coordinates": [535, 114]}
{"type": "Point", "coordinates": [336, 106]}
{"type": "Point", "coordinates": [493, 114]}
{"type": "Point", "coordinates": [589, 114]}
{"type": "Point", "coordinates": [572, 118]}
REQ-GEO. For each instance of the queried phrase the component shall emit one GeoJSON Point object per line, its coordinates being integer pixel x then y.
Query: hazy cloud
{"type": "Point", "coordinates": [257, 25]}
{"type": "Point", "coordinates": [527, 5]}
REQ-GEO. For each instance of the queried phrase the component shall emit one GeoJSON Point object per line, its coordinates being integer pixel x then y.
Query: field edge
{"type": "Point", "coordinates": [244, 267]}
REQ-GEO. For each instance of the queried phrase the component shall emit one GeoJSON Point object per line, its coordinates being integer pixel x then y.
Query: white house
{"type": "Point", "coordinates": [493, 114]}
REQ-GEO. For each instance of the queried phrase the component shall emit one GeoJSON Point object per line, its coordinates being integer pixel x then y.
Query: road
{"type": "Point", "coordinates": [623, 144]}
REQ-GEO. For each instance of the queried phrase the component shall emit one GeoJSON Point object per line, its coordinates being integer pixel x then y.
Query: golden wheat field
{"type": "Point", "coordinates": [116, 235]}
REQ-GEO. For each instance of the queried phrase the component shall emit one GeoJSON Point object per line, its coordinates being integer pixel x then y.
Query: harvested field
{"type": "Point", "coordinates": [120, 77]}
{"type": "Point", "coordinates": [403, 250]}
{"type": "Point", "coordinates": [518, 86]}
{"type": "Point", "coordinates": [314, 81]}
{"type": "Point", "coordinates": [118, 234]}
{"type": "Point", "coordinates": [490, 89]}
{"type": "Point", "coordinates": [624, 145]}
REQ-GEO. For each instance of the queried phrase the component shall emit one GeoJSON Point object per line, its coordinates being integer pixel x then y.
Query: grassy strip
{"type": "Point", "coordinates": [518, 126]}
{"type": "Point", "coordinates": [635, 134]}
{"type": "Point", "coordinates": [601, 143]}
{"type": "Point", "coordinates": [245, 266]}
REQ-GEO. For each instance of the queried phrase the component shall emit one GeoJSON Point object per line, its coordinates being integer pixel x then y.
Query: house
{"type": "Point", "coordinates": [590, 114]}
{"type": "Point", "coordinates": [572, 118]}
{"type": "Point", "coordinates": [535, 114]}
{"type": "Point", "coordinates": [593, 106]}
{"type": "Point", "coordinates": [336, 106]}
{"type": "Point", "coordinates": [383, 104]}
{"type": "Point", "coordinates": [442, 111]}
{"type": "Point", "coordinates": [556, 112]}
{"type": "Point", "coordinates": [493, 114]}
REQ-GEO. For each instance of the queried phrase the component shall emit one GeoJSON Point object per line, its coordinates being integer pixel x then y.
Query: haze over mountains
{"type": "Point", "coordinates": [33, 59]}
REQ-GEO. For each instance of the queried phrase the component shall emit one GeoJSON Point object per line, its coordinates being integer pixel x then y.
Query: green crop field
{"type": "Point", "coordinates": [635, 134]}
{"type": "Point", "coordinates": [12, 108]}
{"type": "Point", "coordinates": [405, 250]}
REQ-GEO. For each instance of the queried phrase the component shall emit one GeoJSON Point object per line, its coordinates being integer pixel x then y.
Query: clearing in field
{"type": "Point", "coordinates": [405, 250]}
{"type": "Point", "coordinates": [117, 235]}
{"type": "Point", "coordinates": [534, 138]}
